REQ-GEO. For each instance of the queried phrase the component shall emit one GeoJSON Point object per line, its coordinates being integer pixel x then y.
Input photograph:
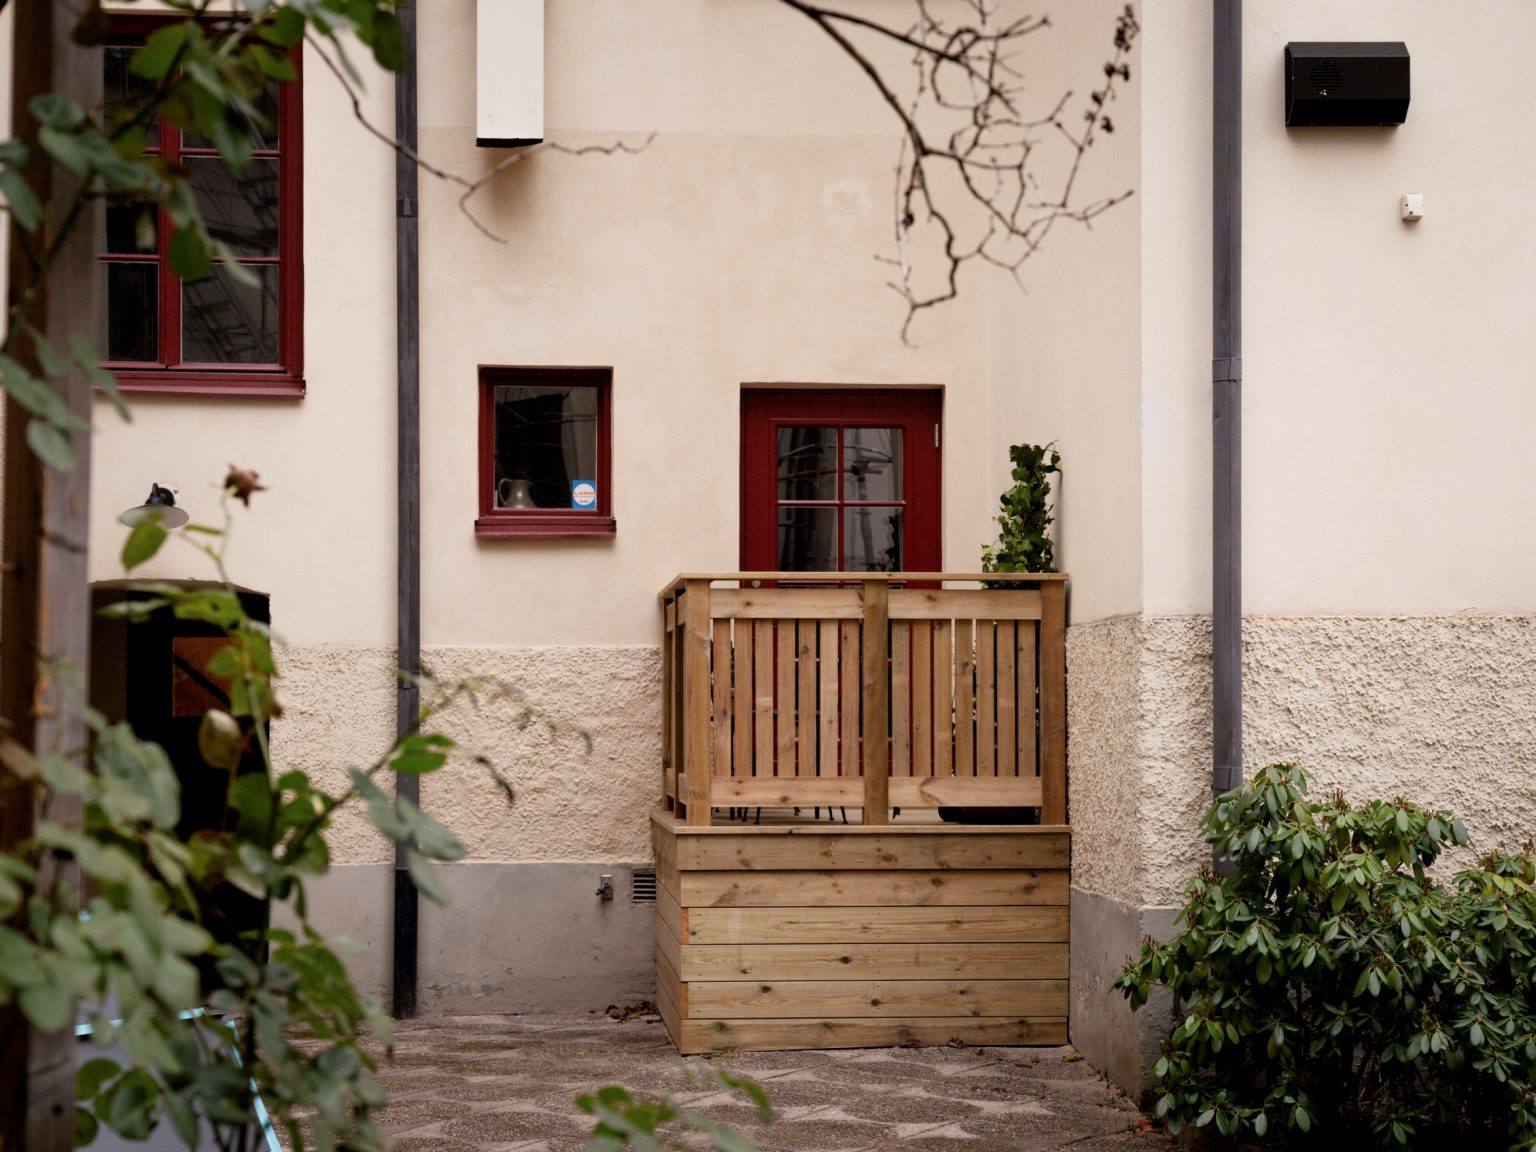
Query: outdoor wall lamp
{"type": "Point", "coordinates": [160, 504]}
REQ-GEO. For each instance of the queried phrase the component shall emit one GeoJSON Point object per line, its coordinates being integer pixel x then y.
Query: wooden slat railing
{"type": "Point", "coordinates": [874, 693]}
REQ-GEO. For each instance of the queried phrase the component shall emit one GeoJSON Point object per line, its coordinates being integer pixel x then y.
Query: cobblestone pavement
{"type": "Point", "coordinates": [507, 1084]}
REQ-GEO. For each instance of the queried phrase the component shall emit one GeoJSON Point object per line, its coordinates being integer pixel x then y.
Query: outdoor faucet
{"type": "Point", "coordinates": [605, 887]}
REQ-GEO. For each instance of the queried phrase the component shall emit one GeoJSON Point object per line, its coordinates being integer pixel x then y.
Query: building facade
{"type": "Point", "coordinates": [1389, 544]}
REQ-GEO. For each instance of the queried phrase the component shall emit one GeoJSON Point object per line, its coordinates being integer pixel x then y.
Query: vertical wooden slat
{"type": "Point", "coordinates": [1007, 638]}
{"type": "Point", "coordinates": [784, 698]}
{"type": "Point", "coordinates": [922, 698]}
{"type": "Point", "coordinates": [720, 656]}
{"type": "Point", "coordinates": [901, 698]}
{"type": "Point", "coordinates": [1053, 703]}
{"type": "Point", "coordinates": [986, 699]}
{"type": "Point", "coordinates": [696, 746]}
{"type": "Point", "coordinates": [1026, 711]}
{"type": "Point", "coordinates": [826, 711]}
{"type": "Point", "coordinates": [965, 698]}
{"type": "Point", "coordinates": [741, 698]}
{"type": "Point", "coordinates": [851, 663]}
{"type": "Point", "coordinates": [805, 713]}
{"type": "Point", "coordinates": [943, 698]}
{"type": "Point", "coordinates": [762, 697]}
{"type": "Point", "coordinates": [876, 686]}
{"type": "Point", "coordinates": [668, 708]}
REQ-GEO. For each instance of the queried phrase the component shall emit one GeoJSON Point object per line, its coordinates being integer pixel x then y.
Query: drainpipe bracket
{"type": "Point", "coordinates": [1227, 369]}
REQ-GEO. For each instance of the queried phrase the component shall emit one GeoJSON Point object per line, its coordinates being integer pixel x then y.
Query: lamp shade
{"type": "Point", "coordinates": [160, 504]}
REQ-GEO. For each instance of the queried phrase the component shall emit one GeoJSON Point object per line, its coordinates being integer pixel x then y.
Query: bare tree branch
{"type": "Point", "coordinates": [966, 180]}
{"type": "Point", "coordinates": [470, 187]}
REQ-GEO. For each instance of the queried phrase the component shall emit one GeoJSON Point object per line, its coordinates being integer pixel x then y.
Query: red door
{"type": "Point", "coordinates": [840, 481]}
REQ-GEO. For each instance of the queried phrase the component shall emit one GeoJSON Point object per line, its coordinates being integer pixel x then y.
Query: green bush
{"type": "Point", "coordinates": [1025, 514]}
{"type": "Point", "coordinates": [1330, 990]}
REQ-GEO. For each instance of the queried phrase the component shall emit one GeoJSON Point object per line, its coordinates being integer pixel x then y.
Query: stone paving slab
{"type": "Point", "coordinates": [508, 1084]}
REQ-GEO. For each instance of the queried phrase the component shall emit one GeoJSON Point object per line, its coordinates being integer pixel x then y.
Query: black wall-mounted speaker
{"type": "Point", "coordinates": [1329, 83]}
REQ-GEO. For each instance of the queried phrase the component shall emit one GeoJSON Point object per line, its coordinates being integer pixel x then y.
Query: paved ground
{"type": "Point", "coordinates": [506, 1084]}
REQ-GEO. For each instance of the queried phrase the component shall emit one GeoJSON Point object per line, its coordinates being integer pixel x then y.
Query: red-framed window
{"type": "Point", "coordinates": [546, 437]}
{"type": "Point", "coordinates": [844, 480]}
{"type": "Point", "coordinates": [217, 335]}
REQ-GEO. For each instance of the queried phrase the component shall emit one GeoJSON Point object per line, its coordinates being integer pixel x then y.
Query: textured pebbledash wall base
{"type": "Point", "coordinates": [585, 762]}
{"type": "Point", "coordinates": [1439, 709]}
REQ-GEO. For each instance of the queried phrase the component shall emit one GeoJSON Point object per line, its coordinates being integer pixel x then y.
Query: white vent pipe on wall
{"type": "Point", "coordinates": [509, 73]}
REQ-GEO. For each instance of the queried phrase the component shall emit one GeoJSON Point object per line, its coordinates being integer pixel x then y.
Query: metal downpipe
{"type": "Point", "coordinates": [1226, 401]}
{"type": "Point", "coordinates": [403, 982]}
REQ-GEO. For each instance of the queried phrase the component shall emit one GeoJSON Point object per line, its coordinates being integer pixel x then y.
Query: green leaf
{"type": "Point", "coordinates": [420, 753]}
{"type": "Point", "coordinates": [388, 41]}
{"type": "Point", "coordinates": [129, 1106]}
{"type": "Point", "coordinates": [50, 444]}
{"type": "Point", "coordinates": [55, 110]}
{"type": "Point", "coordinates": [68, 148]}
{"type": "Point", "coordinates": [158, 56]}
{"type": "Point", "coordinates": [285, 29]}
{"type": "Point", "coordinates": [424, 876]}
{"type": "Point", "coordinates": [220, 741]}
{"type": "Point", "coordinates": [86, 1127]}
{"type": "Point", "coordinates": [49, 1006]}
{"type": "Point", "coordinates": [143, 542]}
{"type": "Point", "coordinates": [191, 254]}
{"type": "Point", "coordinates": [90, 363]}
{"type": "Point", "coordinates": [19, 197]}
{"type": "Point", "coordinates": [49, 358]}
{"type": "Point", "coordinates": [92, 1075]}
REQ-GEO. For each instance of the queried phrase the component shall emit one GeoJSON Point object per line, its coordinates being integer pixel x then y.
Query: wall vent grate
{"type": "Point", "coordinates": [642, 888]}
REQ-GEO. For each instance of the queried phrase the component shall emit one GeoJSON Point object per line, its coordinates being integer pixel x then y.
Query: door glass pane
{"type": "Point", "coordinates": [226, 322]}
{"type": "Point", "coordinates": [807, 463]}
{"type": "Point", "coordinates": [872, 540]}
{"type": "Point", "coordinates": [807, 539]}
{"type": "Point", "coordinates": [872, 464]}
{"type": "Point", "coordinates": [239, 208]}
{"type": "Point", "coordinates": [546, 440]}
{"type": "Point", "coordinates": [132, 312]}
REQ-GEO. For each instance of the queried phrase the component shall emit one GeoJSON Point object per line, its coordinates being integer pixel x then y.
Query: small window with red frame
{"type": "Point", "coordinates": [227, 332]}
{"type": "Point", "coordinates": [545, 453]}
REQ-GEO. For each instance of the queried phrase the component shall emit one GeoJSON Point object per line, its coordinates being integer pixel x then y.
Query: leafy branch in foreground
{"type": "Point", "coordinates": [172, 958]}
{"type": "Point", "coordinates": [662, 1124]}
{"type": "Point", "coordinates": [1331, 991]}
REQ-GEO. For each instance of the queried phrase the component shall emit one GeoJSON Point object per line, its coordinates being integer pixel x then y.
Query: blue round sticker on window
{"type": "Point", "coordinates": [583, 494]}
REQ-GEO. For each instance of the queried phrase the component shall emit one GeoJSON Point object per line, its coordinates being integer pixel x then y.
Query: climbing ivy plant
{"type": "Point", "coordinates": [1026, 513]}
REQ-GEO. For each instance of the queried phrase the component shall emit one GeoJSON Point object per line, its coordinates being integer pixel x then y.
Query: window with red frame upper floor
{"type": "Point", "coordinates": [234, 331]}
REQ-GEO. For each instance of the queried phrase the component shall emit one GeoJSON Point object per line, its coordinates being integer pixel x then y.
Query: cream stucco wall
{"type": "Point", "coordinates": [1385, 397]}
{"type": "Point", "coordinates": [1066, 352]}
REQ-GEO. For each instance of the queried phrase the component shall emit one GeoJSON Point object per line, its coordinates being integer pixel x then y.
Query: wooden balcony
{"type": "Point", "coordinates": [879, 699]}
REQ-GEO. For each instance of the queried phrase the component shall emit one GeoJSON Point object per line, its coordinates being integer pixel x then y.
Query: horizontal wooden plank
{"type": "Point", "coordinates": [850, 926]}
{"type": "Point", "coordinates": [865, 961]}
{"type": "Point", "coordinates": [904, 791]}
{"type": "Point", "coordinates": [793, 999]}
{"type": "Point", "coordinates": [682, 829]}
{"type": "Point", "coordinates": [674, 586]}
{"type": "Point", "coordinates": [669, 915]}
{"type": "Point", "coordinates": [701, 1036]}
{"type": "Point", "coordinates": [965, 604]}
{"type": "Point", "coordinates": [809, 848]}
{"type": "Point", "coordinates": [786, 604]}
{"type": "Point", "coordinates": [791, 889]}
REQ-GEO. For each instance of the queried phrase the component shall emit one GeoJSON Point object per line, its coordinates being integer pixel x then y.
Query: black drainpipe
{"type": "Point", "coordinates": [1226, 402]}
{"type": "Point", "coordinates": [408, 500]}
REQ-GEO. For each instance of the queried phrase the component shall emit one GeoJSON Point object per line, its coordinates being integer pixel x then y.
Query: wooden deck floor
{"type": "Point", "coordinates": [829, 935]}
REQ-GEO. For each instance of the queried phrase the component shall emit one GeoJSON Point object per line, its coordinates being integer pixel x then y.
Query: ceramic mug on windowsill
{"type": "Point", "coordinates": [514, 494]}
